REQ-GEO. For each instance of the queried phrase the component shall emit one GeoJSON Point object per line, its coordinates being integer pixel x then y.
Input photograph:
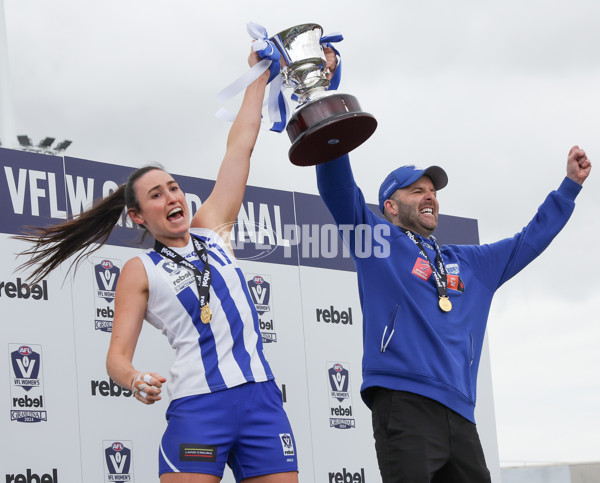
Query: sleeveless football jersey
{"type": "Point", "coordinates": [209, 357]}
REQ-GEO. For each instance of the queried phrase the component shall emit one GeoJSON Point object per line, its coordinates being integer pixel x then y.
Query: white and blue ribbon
{"type": "Point", "coordinates": [264, 47]}
{"type": "Point", "coordinates": [326, 41]}
{"type": "Point", "coordinates": [270, 55]}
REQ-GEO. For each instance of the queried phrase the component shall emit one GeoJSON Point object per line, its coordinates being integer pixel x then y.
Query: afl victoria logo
{"type": "Point", "coordinates": [117, 456]}
{"type": "Point", "coordinates": [26, 367]}
{"type": "Point", "coordinates": [260, 291]}
{"type": "Point", "coordinates": [107, 275]}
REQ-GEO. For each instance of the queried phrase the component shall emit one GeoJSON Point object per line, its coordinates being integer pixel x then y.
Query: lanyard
{"type": "Point", "coordinates": [438, 270]}
{"type": "Point", "coordinates": [202, 278]}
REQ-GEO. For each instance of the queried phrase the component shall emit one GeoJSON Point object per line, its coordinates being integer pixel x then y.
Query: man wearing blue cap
{"type": "Point", "coordinates": [425, 309]}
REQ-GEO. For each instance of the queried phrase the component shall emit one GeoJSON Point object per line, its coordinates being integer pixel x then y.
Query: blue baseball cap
{"type": "Point", "coordinates": [407, 175]}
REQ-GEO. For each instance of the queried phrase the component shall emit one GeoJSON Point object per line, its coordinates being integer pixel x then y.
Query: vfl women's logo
{"type": "Point", "coordinates": [26, 392]}
{"type": "Point", "coordinates": [260, 292]}
{"type": "Point", "coordinates": [287, 444]}
{"type": "Point", "coordinates": [171, 267]}
{"type": "Point", "coordinates": [338, 379]}
{"type": "Point", "coordinates": [340, 400]}
{"type": "Point", "coordinates": [118, 460]}
{"type": "Point", "coordinates": [106, 276]}
{"type": "Point", "coordinates": [26, 367]}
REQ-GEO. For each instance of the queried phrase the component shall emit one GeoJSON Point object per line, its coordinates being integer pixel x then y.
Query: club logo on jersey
{"type": "Point", "coordinates": [340, 400]}
{"type": "Point", "coordinates": [106, 276]}
{"type": "Point", "coordinates": [117, 460]}
{"type": "Point", "coordinates": [26, 389]}
{"type": "Point", "coordinates": [452, 268]}
{"type": "Point", "coordinates": [287, 444]}
{"type": "Point", "coordinates": [179, 277]}
{"type": "Point", "coordinates": [259, 287]}
{"type": "Point", "coordinates": [422, 269]}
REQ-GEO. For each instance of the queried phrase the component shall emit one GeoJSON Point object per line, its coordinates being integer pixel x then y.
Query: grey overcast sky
{"type": "Point", "coordinates": [495, 92]}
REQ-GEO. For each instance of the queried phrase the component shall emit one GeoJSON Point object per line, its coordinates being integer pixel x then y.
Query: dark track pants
{"type": "Point", "coordinates": [419, 440]}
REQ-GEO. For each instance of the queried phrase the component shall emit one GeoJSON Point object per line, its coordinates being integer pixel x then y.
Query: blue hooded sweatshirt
{"type": "Point", "coordinates": [409, 343]}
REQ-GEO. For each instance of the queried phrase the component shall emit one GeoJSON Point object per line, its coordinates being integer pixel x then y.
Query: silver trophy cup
{"type": "Point", "coordinates": [326, 125]}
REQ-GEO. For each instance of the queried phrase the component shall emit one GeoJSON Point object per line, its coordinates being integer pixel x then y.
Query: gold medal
{"type": "Point", "coordinates": [445, 304]}
{"type": "Point", "coordinates": [205, 314]}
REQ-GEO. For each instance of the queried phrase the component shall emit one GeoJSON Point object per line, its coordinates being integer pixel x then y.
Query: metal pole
{"type": "Point", "coordinates": [8, 135]}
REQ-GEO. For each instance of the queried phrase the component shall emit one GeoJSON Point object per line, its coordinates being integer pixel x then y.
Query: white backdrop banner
{"type": "Point", "coordinates": [66, 421]}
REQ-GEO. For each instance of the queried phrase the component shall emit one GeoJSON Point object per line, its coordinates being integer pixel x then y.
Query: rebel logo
{"type": "Point", "coordinates": [30, 477]}
{"type": "Point", "coordinates": [168, 253]}
{"type": "Point", "coordinates": [205, 278]}
{"type": "Point", "coordinates": [346, 476]}
{"type": "Point", "coordinates": [105, 312]}
{"type": "Point", "coordinates": [23, 290]}
{"type": "Point", "coordinates": [109, 389]}
{"type": "Point", "coordinates": [182, 276]}
{"type": "Point", "coordinates": [334, 316]}
{"type": "Point", "coordinates": [266, 325]}
{"type": "Point", "coordinates": [342, 411]}
{"type": "Point", "coordinates": [104, 318]}
{"type": "Point", "coordinates": [28, 402]}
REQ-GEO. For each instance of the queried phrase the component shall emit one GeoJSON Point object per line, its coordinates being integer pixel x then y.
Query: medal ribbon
{"type": "Point", "coordinates": [439, 272]}
{"type": "Point", "coordinates": [202, 278]}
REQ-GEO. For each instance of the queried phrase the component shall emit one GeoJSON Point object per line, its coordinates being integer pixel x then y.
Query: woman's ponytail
{"type": "Point", "coordinates": [55, 244]}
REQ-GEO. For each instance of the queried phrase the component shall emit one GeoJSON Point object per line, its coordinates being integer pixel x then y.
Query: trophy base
{"type": "Point", "coordinates": [328, 128]}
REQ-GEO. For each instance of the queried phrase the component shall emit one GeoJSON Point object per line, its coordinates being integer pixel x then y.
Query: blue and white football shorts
{"type": "Point", "coordinates": [245, 427]}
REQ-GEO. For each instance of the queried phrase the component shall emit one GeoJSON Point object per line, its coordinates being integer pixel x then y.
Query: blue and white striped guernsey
{"type": "Point", "coordinates": [209, 357]}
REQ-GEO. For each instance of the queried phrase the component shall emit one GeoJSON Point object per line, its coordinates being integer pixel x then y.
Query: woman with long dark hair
{"type": "Point", "coordinates": [222, 391]}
